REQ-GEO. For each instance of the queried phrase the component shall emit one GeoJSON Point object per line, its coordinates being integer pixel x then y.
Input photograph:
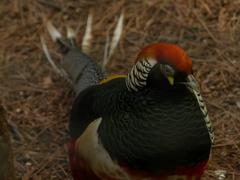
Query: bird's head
{"type": "Point", "coordinates": [159, 65]}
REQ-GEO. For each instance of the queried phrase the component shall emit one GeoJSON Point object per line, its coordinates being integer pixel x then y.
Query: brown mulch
{"type": "Point", "coordinates": [38, 101]}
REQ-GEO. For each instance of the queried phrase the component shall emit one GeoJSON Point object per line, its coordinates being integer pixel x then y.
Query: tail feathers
{"type": "Point", "coordinates": [64, 44]}
{"type": "Point", "coordinates": [116, 35]}
{"type": "Point", "coordinates": [111, 46]}
{"type": "Point", "coordinates": [86, 43]}
{"type": "Point", "coordinates": [71, 36]}
{"type": "Point", "coordinates": [56, 68]}
{"type": "Point", "coordinates": [54, 33]}
{"type": "Point", "coordinates": [67, 67]}
{"type": "Point", "coordinates": [69, 44]}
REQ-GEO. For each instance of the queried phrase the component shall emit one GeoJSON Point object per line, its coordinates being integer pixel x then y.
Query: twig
{"type": "Point", "coordinates": [15, 129]}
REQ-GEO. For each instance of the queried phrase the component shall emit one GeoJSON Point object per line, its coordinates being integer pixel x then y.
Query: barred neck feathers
{"type": "Point", "coordinates": [192, 85]}
{"type": "Point", "coordinates": [137, 78]}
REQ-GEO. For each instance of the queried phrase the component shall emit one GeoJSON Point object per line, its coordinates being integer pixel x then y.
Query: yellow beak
{"type": "Point", "coordinates": [170, 80]}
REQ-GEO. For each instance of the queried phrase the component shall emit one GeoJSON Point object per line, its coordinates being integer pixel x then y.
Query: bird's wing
{"type": "Point", "coordinates": [93, 157]}
{"type": "Point", "coordinates": [87, 155]}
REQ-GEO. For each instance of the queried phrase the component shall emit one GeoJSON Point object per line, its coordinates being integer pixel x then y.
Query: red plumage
{"type": "Point", "coordinates": [81, 173]}
{"type": "Point", "coordinates": [78, 172]}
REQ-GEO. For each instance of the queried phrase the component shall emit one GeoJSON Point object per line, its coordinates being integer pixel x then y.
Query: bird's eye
{"type": "Point", "coordinates": [167, 70]}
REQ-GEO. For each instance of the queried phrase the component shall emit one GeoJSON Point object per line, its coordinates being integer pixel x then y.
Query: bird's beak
{"type": "Point", "coordinates": [170, 80]}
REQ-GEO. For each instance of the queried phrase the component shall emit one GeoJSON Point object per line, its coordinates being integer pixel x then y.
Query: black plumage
{"type": "Point", "coordinates": [151, 130]}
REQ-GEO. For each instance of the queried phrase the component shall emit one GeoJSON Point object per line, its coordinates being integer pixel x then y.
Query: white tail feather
{"type": "Point", "coordinates": [70, 33]}
{"type": "Point", "coordinates": [54, 33]}
{"type": "Point", "coordinates": [116, 35]}
{"type": "Point", "coordinates": [105, 57]}
{"type": "Point", "coordinates": [108, 51]}
{"type": "Point", "coordinates": [49, 58]}
{"type": "Point", "coordinates": [88, 35]}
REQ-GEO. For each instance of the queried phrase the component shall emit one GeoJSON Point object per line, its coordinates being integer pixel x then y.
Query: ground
{"type": "Point", "coordinates": [37, 100]}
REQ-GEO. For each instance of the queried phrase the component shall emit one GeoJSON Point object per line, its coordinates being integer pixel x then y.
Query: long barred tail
{"type": "Point", "coordinates": [64, 46]}
{"type": "Point", "coordinates": [76, 59]}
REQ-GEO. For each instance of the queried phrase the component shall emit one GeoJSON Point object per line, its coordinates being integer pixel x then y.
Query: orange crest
{"type": "Point", "coordinates": [168, 53]}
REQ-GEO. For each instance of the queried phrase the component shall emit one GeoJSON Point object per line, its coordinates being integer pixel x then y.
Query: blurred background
{"type": "Point", "coordinates": [37, 101]}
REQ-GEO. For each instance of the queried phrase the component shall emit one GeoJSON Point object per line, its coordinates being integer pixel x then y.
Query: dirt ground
{"type": "Point", "coordinates": [38, 101]}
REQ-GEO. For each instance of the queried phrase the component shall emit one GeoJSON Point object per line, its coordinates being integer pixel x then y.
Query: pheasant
{"type": "Point", "coordinates": [149, 124]}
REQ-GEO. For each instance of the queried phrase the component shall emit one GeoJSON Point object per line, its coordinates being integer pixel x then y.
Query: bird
{"type": "Point", "coordinates": [7, 171]}
{"type": "Point", "coordinates": [151, 123]}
